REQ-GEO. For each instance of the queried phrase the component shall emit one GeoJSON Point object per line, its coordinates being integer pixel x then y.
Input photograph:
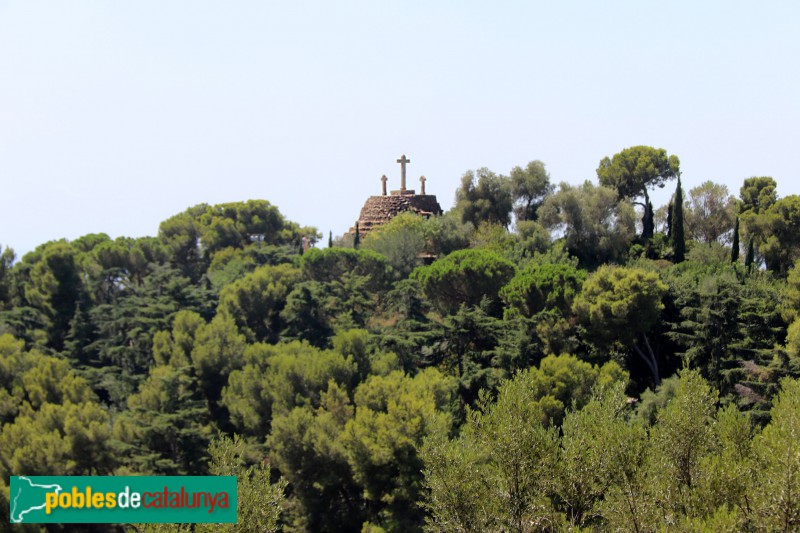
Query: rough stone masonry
{"type": "Point", "coordinates": [378, 210]}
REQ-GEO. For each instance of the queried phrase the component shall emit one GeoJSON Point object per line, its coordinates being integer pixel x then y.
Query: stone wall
{"type": "Point", "coordinates": [378, 210]}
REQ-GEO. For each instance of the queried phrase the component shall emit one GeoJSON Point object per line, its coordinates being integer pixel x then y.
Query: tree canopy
{"type": "Point", "coordinates": [710, 213]}
{"type": "Point", "coordinates": [465, 277]}
{"type": "Point", "coordinates": [633, 170]}
{"type": "Point", "coordinates": [484, 196]}
{"type": "Point", "coordinates": [530, 187]}
{"type": "Point", "coordinates": [453, 373]}
{"type": "Point", "coordinates": [597, 227]}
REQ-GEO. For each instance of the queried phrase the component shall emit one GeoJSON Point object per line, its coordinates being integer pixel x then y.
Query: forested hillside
{"type": "Point", "coordinates": [539, 358]}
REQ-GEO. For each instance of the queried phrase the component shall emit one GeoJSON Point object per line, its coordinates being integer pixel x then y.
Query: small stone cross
{"type": "Point", "coordinates": [383, 181]}
{"type": "Point", "coordinates": [403, 161]}
{"type": "Point", "coordinates": [422, 181]}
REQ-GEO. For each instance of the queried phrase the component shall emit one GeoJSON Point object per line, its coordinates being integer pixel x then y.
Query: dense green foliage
{"type": "Point", "coordinates": [710, 213]}
{"type": "Point", "coordinates": [677, 226]}
{"type": "Point", "coordinates": [596, 226]}
{"type": "Point", "coordinates": [525, 362]}
{"type": "Point", "coordinates": [484, 196]}
{"type": "Point", "coordinates": [530, 186]}
{"type": "Point", "coordinates": [695, 468]}
{"type": "Point", "coordinates": [632, 171]}
{"type": "Point", "coordinates": [464, 277]}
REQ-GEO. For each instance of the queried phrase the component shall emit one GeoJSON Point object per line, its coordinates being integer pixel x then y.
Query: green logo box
{"type": "Point", "coordinates": [123, 499]}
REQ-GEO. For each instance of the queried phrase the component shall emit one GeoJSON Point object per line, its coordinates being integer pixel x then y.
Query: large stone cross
{"type": "Point", "coordinates": [383, 181]}
{"type": "Point", "coordinates": [403, 161]}
{"type": "Point", "coordinates": [422, 181]}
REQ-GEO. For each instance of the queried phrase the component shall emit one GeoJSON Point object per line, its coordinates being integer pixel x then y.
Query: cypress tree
{"type": "Point", "coordinates": [735, 247]}
{"type": "Point", "coordinates": [751, 255]}
{"type": "Point", "coordinates": [670, 208]}
{"type": "Point", "coordinates": [330, 239]}
{"type": "Point", "coordinates": [648, 222]}
{"type": "Point", "coordinates": [678, 239]}
{"type": "Point", "coordinates": [357, 240]}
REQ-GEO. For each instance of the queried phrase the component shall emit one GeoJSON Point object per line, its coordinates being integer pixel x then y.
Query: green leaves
{"type": "Point", "coordinates": [683, 435]}
{"type": "Point", "coordinates": [757, 195]}
{"type": "Point", "coordinates": [619, 303]}
{"type": "Point", "coordinates": [710, 213]}
{"type": "Point", "coordinates": [484, 197]}
{"type": "Point", "coordinates": [502, 469]}
{"type": "Point", "coordinates": [165, 428]}
{"type": "Point", "coordinates": [6, 261]}
{"type": "Point", "coordinates": [401, 241]}
{"type": "Point", "coordinates": [530, 187]}
{"type": "Point", "coordinates": [778, 451]}
{"type": "Point", "coordinates": [260, 500]}
{"type": "Point", "coordinates": [465, 277]}
{"type": "Point", "coordinates": [598, 451]}
{"type": "Point", "coordinates": [51, 284]}
{"type": "Point", "coordinates": [777, 236]}
{"type": "Point", "coordinates": [696, 469]}
{"type": "Point", "coordinates": [256, 301]}
{"type": "Point", "coordinates": [633, 170]}
{"type": "Point", "coordinates": [391, 395]}
{"type": "Point", "coordinates": [51, 424]}
{"type": "Point", "coordinates": [68, 439]}
{"type": "Point", "coordinates": [678, 225]}
{"type": "Point", "coordinates": [218, 350]}
{"type": "Point", "coordinates": [393, 415]}
{"type": "Point", "coordinates": [596, 225]}
{"type": "Point", "coordinates": [195, 235]}
{"type": "Point", "coordinates": [276, 379]}
{"type": "Point", "coordinates": [350, 461]}
{"type": "Point", "coordinates": [543, 286]}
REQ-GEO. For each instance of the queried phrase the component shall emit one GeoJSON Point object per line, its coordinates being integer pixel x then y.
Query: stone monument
{"type": "Point", "coordinates": [378, 210]}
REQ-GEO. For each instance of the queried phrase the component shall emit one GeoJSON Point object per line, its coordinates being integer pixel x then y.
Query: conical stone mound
{"type": "Point", "coordinates": [378, 210]}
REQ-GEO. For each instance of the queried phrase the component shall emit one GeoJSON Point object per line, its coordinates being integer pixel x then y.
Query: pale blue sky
{"type": "Point", "coordinates": [116, 115]}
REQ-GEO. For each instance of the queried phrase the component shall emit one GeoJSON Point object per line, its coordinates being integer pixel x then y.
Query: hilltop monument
{"type": "Point", "coordinates": [378, 210]}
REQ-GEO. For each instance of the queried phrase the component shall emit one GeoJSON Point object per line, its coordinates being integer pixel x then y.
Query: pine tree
{"type": "Point", "coordinates": [678, 239]}
{"type": "Point", "coordinates": [735, 246]}
{"type": "Point", "coordinates": [357, 240]}
{"type": "Point", "coordinates": [80, 336]}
